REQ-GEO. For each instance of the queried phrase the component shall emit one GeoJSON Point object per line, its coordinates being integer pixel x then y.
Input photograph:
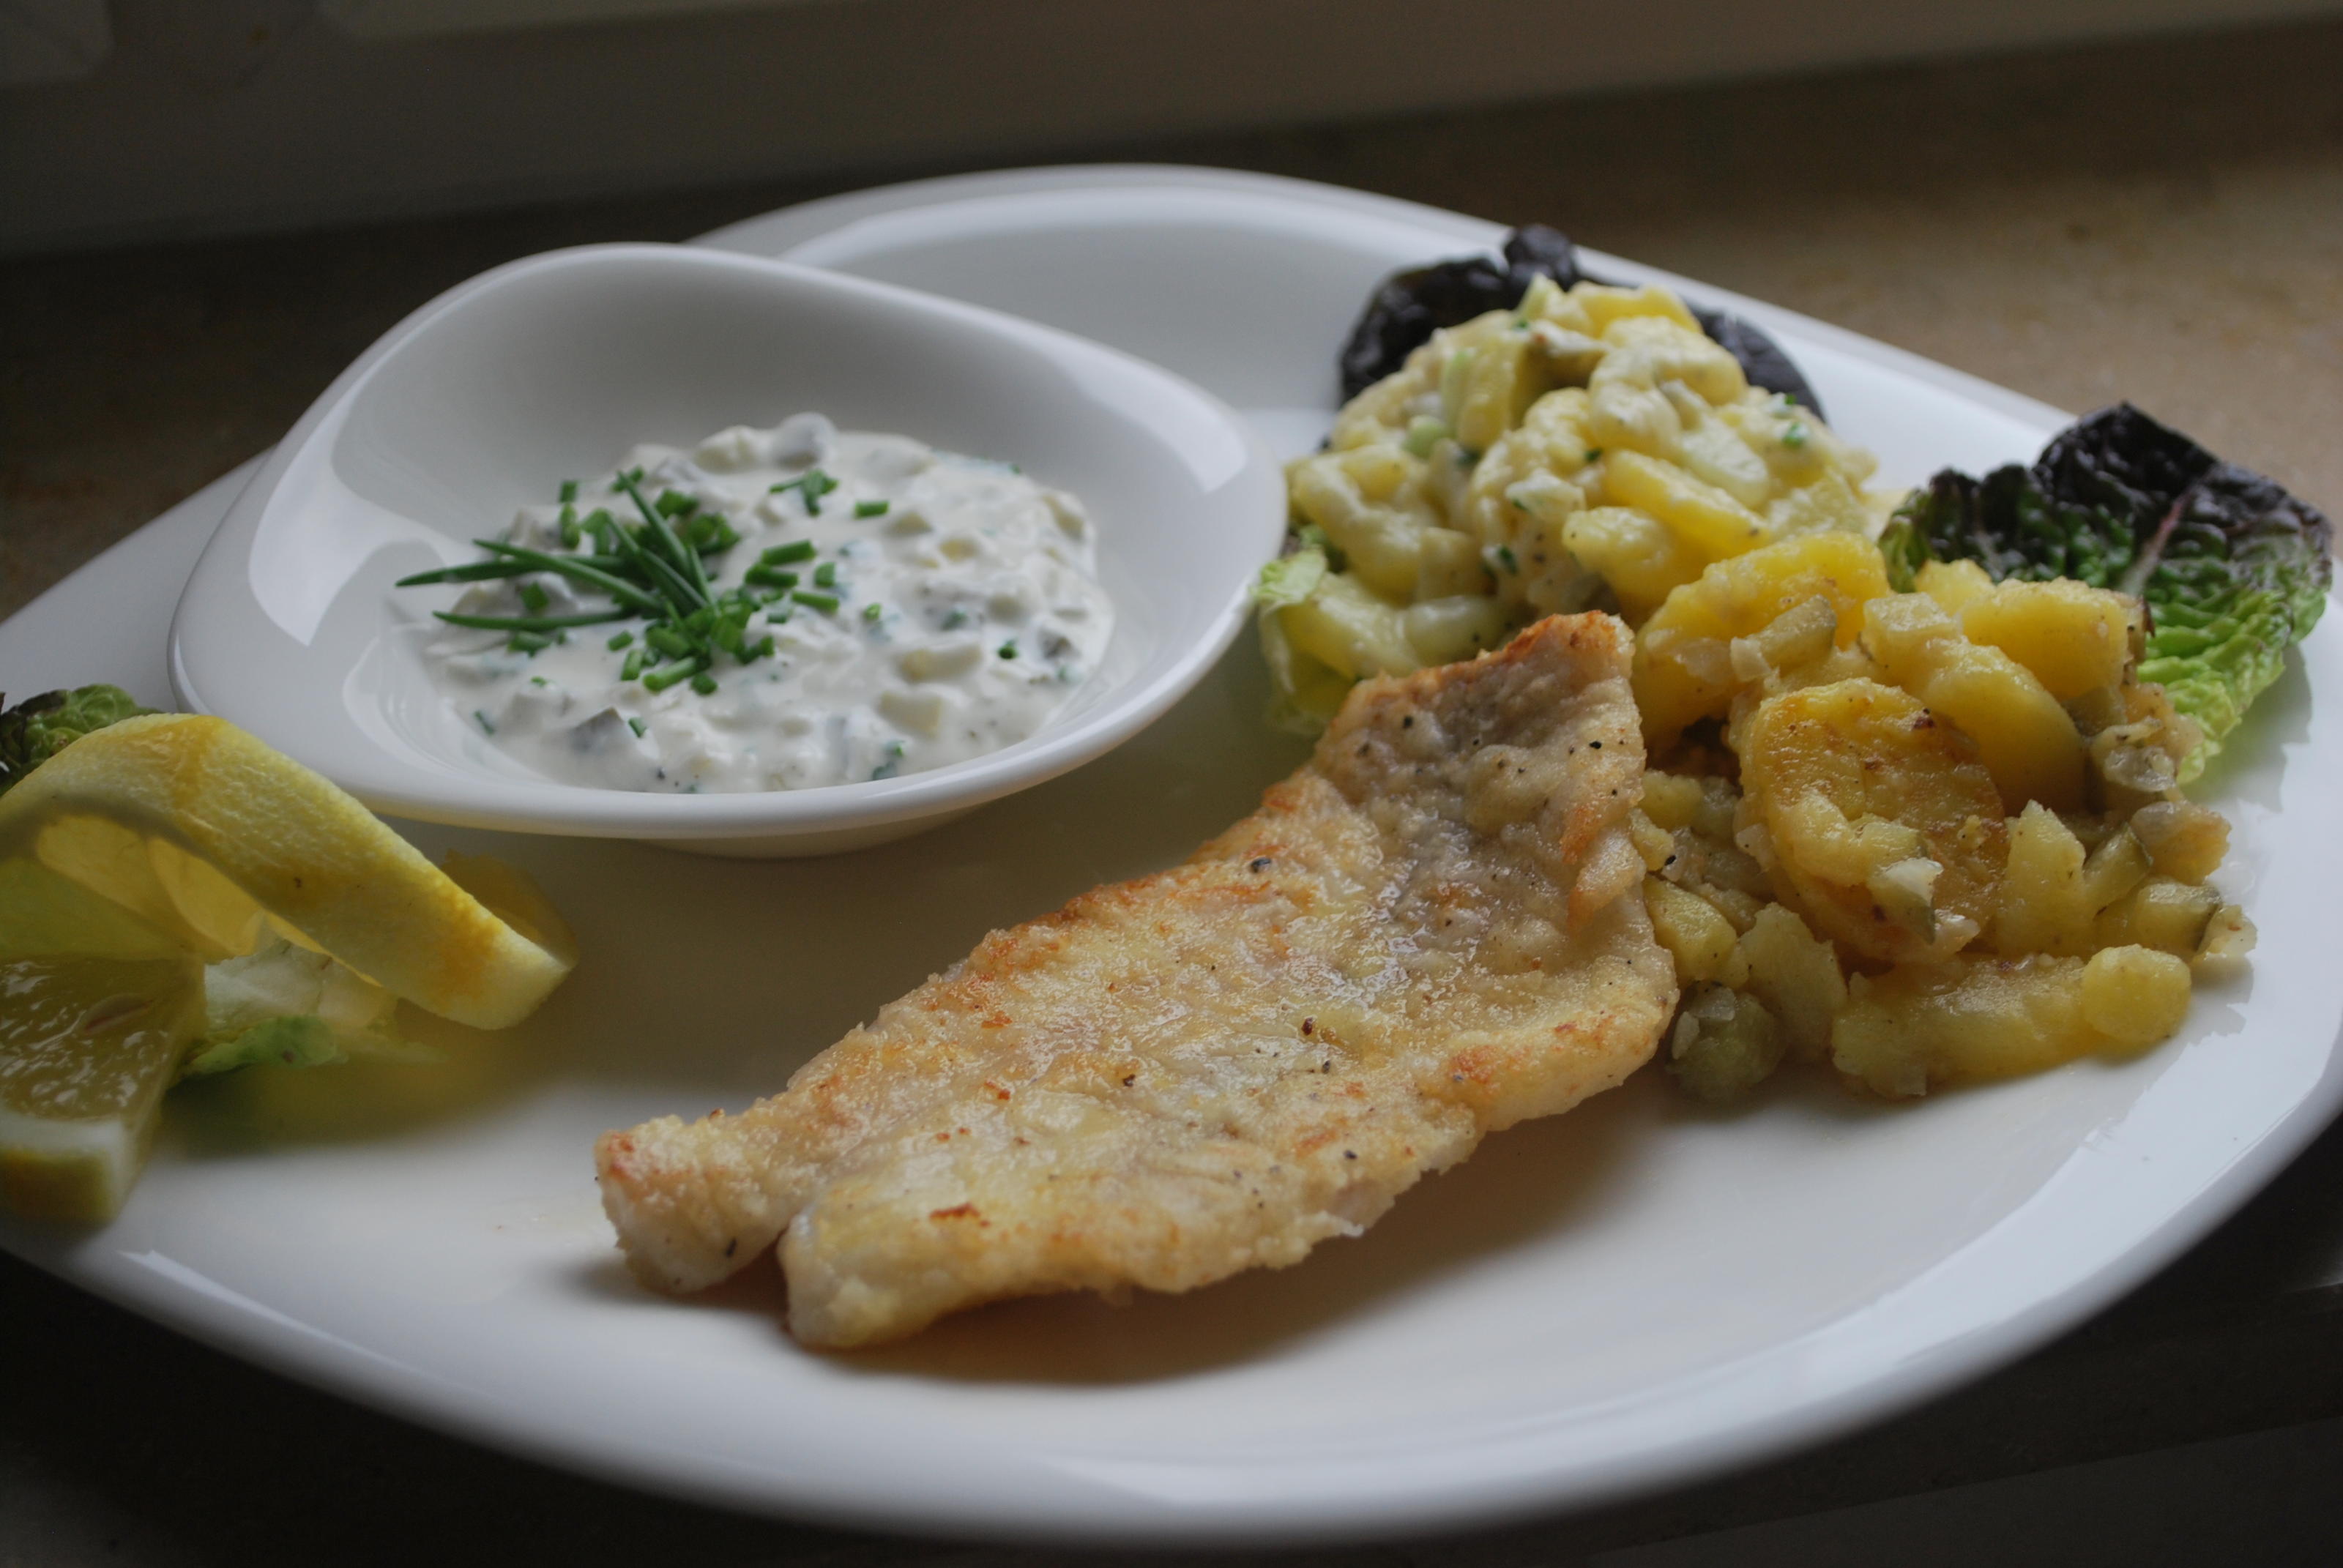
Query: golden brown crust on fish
{"type": "Point", "coordinates": [1419, 938]}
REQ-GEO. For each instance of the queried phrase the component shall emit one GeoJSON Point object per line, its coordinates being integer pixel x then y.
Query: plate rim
{"type": "Point", "coordinates": [802, 223]}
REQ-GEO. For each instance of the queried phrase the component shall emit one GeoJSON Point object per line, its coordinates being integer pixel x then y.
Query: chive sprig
{"type": "Point", "coordinates": [653, 570]}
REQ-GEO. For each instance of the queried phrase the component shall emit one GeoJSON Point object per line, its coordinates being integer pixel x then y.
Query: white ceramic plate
{"type": "Point", "coordinates": [1619, 1298]}
{"type": "Point", "coordinates": [292, 626]}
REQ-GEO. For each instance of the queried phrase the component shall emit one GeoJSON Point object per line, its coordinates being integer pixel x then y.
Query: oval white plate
{"type": "Point", "coordinates": [554, 365]}
{"type": "Point", "coordinates": [1618, 1299]}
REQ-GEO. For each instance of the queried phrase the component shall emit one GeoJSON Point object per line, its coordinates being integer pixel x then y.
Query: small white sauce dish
{"type": "Point", "coordinates": [552, 367]}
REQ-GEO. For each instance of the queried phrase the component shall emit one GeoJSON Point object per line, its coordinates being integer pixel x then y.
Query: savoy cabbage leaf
{"type": "Point", "coordinates": [38, 728]}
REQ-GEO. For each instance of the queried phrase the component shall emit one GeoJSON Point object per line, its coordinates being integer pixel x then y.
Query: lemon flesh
{"type": "Point", "coordinates": [87, 1046]}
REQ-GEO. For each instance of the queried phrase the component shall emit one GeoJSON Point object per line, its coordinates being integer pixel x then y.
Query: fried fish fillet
{"type": "Point", "coordinates": [1428, 933]}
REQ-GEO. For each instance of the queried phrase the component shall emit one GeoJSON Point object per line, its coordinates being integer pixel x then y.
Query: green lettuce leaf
{"type": "Point", "coordinates": [306, 1040]}
{"type": "Point", "coordinates": [286, 1006]}
{"type": "Point", "coordinates": [2234, 570]}
{"type": "Point", "coordinates": [38, 728]}
{"type": "Point", "coordinates": [1289, 579]}
{"type": "Point", "coordinates": [1304, 693]}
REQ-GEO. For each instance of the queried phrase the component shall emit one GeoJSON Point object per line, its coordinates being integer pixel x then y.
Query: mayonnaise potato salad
{"type": "Point", "coordinates": [774, 609]}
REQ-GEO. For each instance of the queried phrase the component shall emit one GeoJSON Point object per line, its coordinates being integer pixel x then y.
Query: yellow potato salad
{"type": "Point", "coordinates": [1592, 446]}
{"type": "Point", "coordinates": [1923, 838]}
{"type": "Point", "coordinates": [1919, 838]}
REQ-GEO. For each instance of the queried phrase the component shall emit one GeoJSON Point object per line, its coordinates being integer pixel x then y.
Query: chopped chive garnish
{"type": "Point", "coordinates": [825, 575]}
{"type": "Point", "coordinates": [675, 567]}
{"type": "Point", "coordinates": [537, 681]}
{"type": "Point", "coordinates": [682, 670]}
{"type": "Point", "coordinates": [712, 534]}
{"type": "Point", "coordinates": [654, 526]}
{"type": "Point", "coordinates": [680, 594]}
{"type": "Point", "coordinates": [871, 509]}
{"type": "Point", "coordinates": [483, 571]}
{"type": "Point", "coordinates": [476, 571]}
{"type": "Point", "coordinates": [871, 612]}
{"type": "Point", "coordinates": [812, 485]}
{"type": "Point", "coordinates": [820, 601]}
{"type": "Point", "coordinates": [1796, 435]}
{"type": "Point", "coordinates": [1593, 453]}
{"type": "Point", "coordinates": [616, 587]}
{"type": "Point", "coordinates": [484, 724]}
{"type": "Point", "coordinates": [652, 570]}
{"type": "Point", "coordinates": [1008, 650]}
{"type": "Point", "coordinates": [663, 588]}
{"type": "Point", "coordinates": [704, 684]}
{"type": "Point", "coordinates": [529, 622]}
{"type": "Point", "coordinates": [636, 726]}
{"type": "Point", "coordinates": [1506, 558]}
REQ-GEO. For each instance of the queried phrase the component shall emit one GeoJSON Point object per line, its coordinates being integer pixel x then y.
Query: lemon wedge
{"type": "Point", "coordinates": [149, 848]}
{"type": "Point", "coordinates": [210, 838]}
{"type": "Point", "coordinates": [87, 1046]}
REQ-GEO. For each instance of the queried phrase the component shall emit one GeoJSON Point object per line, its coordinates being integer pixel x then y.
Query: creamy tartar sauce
{"type": "Point", "coordinates": [889, 608]}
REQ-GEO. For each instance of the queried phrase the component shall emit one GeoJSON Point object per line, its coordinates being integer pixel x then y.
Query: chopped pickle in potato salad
{"type": "Point", "coordinates": [1919, 826]}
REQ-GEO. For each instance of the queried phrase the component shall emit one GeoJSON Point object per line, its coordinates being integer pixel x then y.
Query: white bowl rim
{"type": "Point", "coordinates": [399, 790]}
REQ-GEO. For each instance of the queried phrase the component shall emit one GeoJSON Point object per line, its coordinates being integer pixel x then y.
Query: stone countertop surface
{"type": "Point", "coordinates": [2160, 221]}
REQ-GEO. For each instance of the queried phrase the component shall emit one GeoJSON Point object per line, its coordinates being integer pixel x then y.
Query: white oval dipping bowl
{"type": "Point", "coordinates": [550, 368]}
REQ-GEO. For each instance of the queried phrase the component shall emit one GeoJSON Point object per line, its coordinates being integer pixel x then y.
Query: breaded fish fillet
{"type": "Point", "coordinates": [1428, 933]}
